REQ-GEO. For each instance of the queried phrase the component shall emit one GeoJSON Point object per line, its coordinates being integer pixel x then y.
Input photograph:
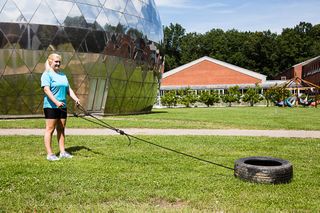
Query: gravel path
{"type": "Point", "coordinates": [228, 132]}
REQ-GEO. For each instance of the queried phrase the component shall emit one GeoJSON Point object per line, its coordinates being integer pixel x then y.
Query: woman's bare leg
{"type": "Point", "coordinates": [61, 124]}
{"type": "Point", "coordinates": [50, 126]}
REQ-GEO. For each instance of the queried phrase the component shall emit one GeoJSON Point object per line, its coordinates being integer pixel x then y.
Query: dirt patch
{"type": "Point", "coordinates": [163, 203]}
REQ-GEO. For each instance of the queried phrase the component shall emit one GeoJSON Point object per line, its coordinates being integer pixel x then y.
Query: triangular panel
{"type": "Point", "coordinates": [91, 2]}
{"type": "Point", "coordinates": [74, 66]}
{"type": "Point", "coordinates": [5, 88]}
{"type": "Point", "coordinates": [113, 17]}
{"type": "Point", "coordinates": [2, 4]}
{"type": "Point", "coordinates": [61, 9]}
{"type": "Point", "coordinates": [90, 44]}
{"type": "Point", "coordinates": [14, 32]}
{"type": "Point", "coordinates": [75, 18]}
{"type": "Point", "coordinates": [27, 9]}
{"type": "Point", "coordinates": [40, 67]}
{"type": "Point", "coordinates": [30, 58]}
{"type": "Point", "coordinates": [45, 34]}
{"type": "Point", "coordinates": [4, 42]}
{"type": "Point", "coordinates": [131, 10]}
{"type": "Point", "coordinates": [132, 23]}
{"type": "Point", "coordinates": [111, 64]}
{"type": "Point", "coordinates": [5, 56]}
{"type": "Point", "coordinates": [10, 13]}
{"type": "Point", "coordinates": [82, 85]}
{"type": "Point", "coordinates": [138, 6]}
{"type": "Point", "coordinates": [102, 21]}
{"type": "Point", "coordinates": [76, 36]}
{"type": "Point", "coordinates": [90, 13]}
{"type": "Point", "coordinates": [61, 42]}
{"type": "Point", "coordinates": [116, 5]}
{"type": "Point", "coordinates": [130, 67]}
{"type": "Point", "coordinates": [44, 15]}
{"type": "Point", "coordinates": [16, 65]}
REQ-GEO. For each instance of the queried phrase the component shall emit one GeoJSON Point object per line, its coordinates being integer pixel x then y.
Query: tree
{"type": "Point", "coordinates": [232, 95]}
{"type": "Point", "coordinates": [191, 47]}
{"type": "Point", "coordinates": [276, 94]}
{"type": "Point", "coordinates": [315, 36]}
{"type": "Point", "coordinates": [252, 95]}
{"type": "Point", "coordinates": [209, 98]}
{"type": "Point", "coordinates": [263, 52]}
{"type": "Point", "coordinates": [173, 35]}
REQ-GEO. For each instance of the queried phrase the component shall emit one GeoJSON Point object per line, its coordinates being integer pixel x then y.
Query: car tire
{"type": "Point", "coordinates": [263, 170]}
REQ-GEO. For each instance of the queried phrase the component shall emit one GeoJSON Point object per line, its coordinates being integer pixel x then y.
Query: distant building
{"type": "Point", "coordinates": [210, 74]}
{"type": "Point", "coordinates": [311, 71]}
{"type": "Point", "coordinates": [304, 70]}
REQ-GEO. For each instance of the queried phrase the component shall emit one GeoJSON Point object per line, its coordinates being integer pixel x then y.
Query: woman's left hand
{"type": "Point", "coordinates": [77, 101]}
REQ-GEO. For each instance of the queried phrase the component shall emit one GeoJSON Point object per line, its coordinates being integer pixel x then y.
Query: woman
{"type": "Point", "coordinates": [56, 88]}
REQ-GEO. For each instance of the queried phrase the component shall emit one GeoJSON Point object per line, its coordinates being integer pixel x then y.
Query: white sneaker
{"type": "Point", "coordinates": [52, 157]}
{"type": "Point", "coordinates": [65, 155]}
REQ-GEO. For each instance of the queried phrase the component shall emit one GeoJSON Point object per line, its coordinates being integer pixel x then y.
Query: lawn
{"type": "Point", "coordinates": [107, 175]}
{"type": "Point", "coordinates": [199, 118]}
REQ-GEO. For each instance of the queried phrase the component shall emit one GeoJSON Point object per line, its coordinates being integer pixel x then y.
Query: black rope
{"type": "Point", "coordinates": [121, 132]}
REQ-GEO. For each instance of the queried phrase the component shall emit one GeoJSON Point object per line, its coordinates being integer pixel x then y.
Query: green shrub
{"type": "Point", "coordinates": [209, 98]}
{"type": "Point", "coordinates": [252, 95]}
{"type": "Point", "coordinates": [232, 95]}
{"type": "Point", "coordinates": [169, 99]}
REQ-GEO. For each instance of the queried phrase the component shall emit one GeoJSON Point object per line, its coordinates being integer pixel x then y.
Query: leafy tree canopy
{"type": "Point", "coordinates": [263, 52]}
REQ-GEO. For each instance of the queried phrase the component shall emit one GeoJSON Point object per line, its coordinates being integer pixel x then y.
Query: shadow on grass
{"type": "Point", "coordinates": [145, 113]}
{"type": "Point", "coordinates": [75, 149]}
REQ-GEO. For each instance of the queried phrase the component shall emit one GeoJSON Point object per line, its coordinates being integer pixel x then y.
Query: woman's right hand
{"type": "Point", "coordinates": [59, 104]}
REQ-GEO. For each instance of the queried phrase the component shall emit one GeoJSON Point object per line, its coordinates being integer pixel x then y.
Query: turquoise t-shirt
{"type": "Point", "coordinates": [59, 86]}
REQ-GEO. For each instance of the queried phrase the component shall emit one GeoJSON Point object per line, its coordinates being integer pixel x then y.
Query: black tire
{"type": "Point", "coordinates": [263, 170]}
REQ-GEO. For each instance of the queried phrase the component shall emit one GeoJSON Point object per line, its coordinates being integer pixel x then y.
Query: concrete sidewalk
{"type": "Point", "coordinates": [135, 131]}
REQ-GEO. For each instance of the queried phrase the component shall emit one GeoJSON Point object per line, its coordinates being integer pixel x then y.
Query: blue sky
{"type": "Point", "coordinates": [244, 15]}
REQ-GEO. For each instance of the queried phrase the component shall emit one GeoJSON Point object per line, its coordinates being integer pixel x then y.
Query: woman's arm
{"type": "Point", "coordinates": [73, 96]}
{"type": "Point", "coordinates": [48, 92]}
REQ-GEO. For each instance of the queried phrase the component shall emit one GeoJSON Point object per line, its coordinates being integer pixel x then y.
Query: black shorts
{"type": "Point", "coordinates": [55, 113]}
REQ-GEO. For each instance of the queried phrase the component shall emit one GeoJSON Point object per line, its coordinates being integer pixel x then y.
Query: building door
{"type": "Point", "coordinates": [98, 93]}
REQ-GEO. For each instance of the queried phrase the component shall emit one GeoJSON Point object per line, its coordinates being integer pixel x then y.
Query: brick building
{"type": "Point", "coordinates": [308, 70]}
{"type": "Point", "coordinates": [210, 74]}
{"type": "Point", "coordinates": [311, 71]}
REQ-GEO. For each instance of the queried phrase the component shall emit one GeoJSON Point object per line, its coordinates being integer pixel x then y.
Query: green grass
{"type": "Point", "coordinates": [107, 175]}
{"type": "Point", "coordinates": [200, 118]}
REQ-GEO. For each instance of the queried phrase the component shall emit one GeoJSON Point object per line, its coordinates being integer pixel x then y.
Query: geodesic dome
{"type": "Point", "coordinates": [108, 47]}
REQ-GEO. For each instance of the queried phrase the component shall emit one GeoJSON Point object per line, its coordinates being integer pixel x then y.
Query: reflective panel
{"type": "Point", "coordinates": [61, 9]}
{"type": "Point", "coordinates": [2, 2]}
{"type": "Point", "coordinates": [91, 2]}
{"type": "Point", "coordinates": [107, 46]}
{"type": "Point", "coordinates": [44, 34]}
{"type": "Point", "coordinates": [10, 13]}
{"type": "Point", "coordinates": [89, 12]}
{"type": "Point", "coordinates": [131, 10]}
{"type": "Point", "coordinates": [116, 5]}
{"type": "Point", "coordinates": [132, 21]}
{"type": "Point", "coordinates": [116, 18]}
{"type": "Point", "coordinates": [138, 6]}
{"type": "Point", "coordinates": [102, 21]}
{"type": "Point", "coordinates": [75, 18]}
{"type": "Point", "coordinates": [44, 15]}
{"type": "Point", "coordinates": [27, 9]}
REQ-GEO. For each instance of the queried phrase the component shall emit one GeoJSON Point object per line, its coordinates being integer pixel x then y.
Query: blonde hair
{"type": "Point", "coordinates": [50, 59]}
